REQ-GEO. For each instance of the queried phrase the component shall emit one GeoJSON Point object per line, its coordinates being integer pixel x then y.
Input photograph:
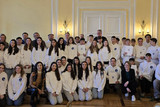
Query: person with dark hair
{"type": "Point", "coordinates": [89, 62]}
{"type": "Point", "coordinates": [36, 35]}
{"type": "Point", "coordinates": [128, 81]}
{"type": "Point", "coordinates": [25, 36]}
{"type": "Point", "coordinates": [2, 50]}
{"type": "Point", "coordinates": [82, 50]}
{"type": "Point", "coordinates": [93, 52]}
{"type": "Point", "coordinates": [59, 63]}
{"type": "Point", "coordinates": [146, 71]}
{"type": "Point", "coordinates": [99, 43]}
{"type": "Point", "coordinates": [64, 63]}
{"type": "Point", "coordinates": [69, 82]}
{"type": "Point", "coordinates": [50, 38]}
{"type": "Point", "coordinates": [76, 66]}
{"type": "Point", "coordinates": [38, 52]}
{"type": "Point", "coordinates": [36, 87]}
{"type": "Point", "coordinates": [3, 39]}
{"type": "Point", "coordinates": [77, 40]}
{"type": "Point", "coordinates": [71, 50]}
{"type": "Point", "coordinates": [51, 54]}
{"type": "Point", "coordinates": [81, 36]}
{"type": "Point", "coordinates": [105, 53]}
{"type": "Point", "coordinates": [3, 84]}
{"type": "Point", "coordinates": [147, 42]}
{"type": "Point", "coordinates": [99, 81]}
{"type": "Point", "coordinates": [54, 88]}
{"type": "Point", "coordinates": [67, 35]}
{"type": "Point", "coordinates": [26, 58]}
{"type": "Point", "coordinates": [117, 40]}
{"type": "Point", "coordinates": [89, 42]}
{"type": "Point", "coordinates": [140, 51]}
{"type": "Point", "coordinates": [16, 86]}
{"type": "Point", "coordinates": [127, 51]}
{"type": "Point", "coordinates": [154, 51]}
{"type": "Point", "coordinates": [133, 42]}
{"type": "Point", "coordinates": [123, 42]}
{"type": "Point", "coordinates": [134, 66]}
{"type": "Point", "coordinates": [85, 83]}
{"type": "Point", "coordinates": [115, 50]}
{"type": "Point", "coordinates": [19, 42]}
{"type": "Point", "coordinates": [114, 75]}
{"type": "Point", "coordinates": [11, 57]}
{"type": "Point", "coordinates": [61, 47]}
{"type": "Point", "coordinates": [99, 34]}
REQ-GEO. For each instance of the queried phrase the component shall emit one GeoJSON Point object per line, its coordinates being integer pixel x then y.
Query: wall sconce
{"type": "Point", "coordinates": [143, 25]}
{"type": "Point", "coordinates": [65, 25]}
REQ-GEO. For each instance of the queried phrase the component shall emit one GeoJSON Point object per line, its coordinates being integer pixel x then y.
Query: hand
{"type": "Point", "coordinates": [84, 54]}
{"type": "Point", "coordinates": [84, 90]}
{"type": "Point", "coordinates": [124, 53]}
{"type": "Point", "coordinates": [142, 57]}
{"type": "Point", "coordinates": [128, 90]}
{"type": "Point", "coordinates": [87, 89]}
{"type": "Point", "coordinates": [25, 66]}
{"type": "Point", "coordinates": [117, 82]}
{"type": "Point", "coordinates": [39, 91]}
{"type": "Point", "coordinates": [29, 66]}
{"type": "Point", "coordinates": [54, 94]}
{"type": "Point", "coordinates": [78, 54]}
{"type": "Point", "coordinates": [141, 76]}
{"type": "Point", "coordinates": [1, 96]}
{"type": "Point", "coordinates": [126, 84]}
{"type": "Point", "coordinates": [72, 93]}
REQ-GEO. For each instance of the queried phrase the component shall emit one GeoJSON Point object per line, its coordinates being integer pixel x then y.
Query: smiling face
{"type": "Point", "coordinates": [18, 69]}
{"type": "Point", "coordinates": [99, 66]}
{"type": "Point", "coordinates": [1, 68]}
{"type": "Point", "coordinates": [39, 41]}
{"type": "Point", "coordinates": [28, 41]}
{"type": "Point", "coordinates": [127, 66]}
{"type": "Point", "coordinates": [84, 65]}
{"type": "Point", "coordinates": [53, 43]}
{"type": "Point", "coordinates": [12, 43]}
{"type": "Point", "coordinates": [39, 67]}
{"type": "Point", "coordinates": [69, 68]}
{"type": "Point", "coordinates": [54, 67]}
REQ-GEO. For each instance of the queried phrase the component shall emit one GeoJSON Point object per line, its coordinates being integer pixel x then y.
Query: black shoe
{"type": "Point", "coordinates": [157, 99]}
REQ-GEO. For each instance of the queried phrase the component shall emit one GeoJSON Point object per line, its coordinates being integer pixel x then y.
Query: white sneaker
{"type": "Point", "coordinates": [133, 98]}
{"type": "Point", "coordinates": [126, 94]}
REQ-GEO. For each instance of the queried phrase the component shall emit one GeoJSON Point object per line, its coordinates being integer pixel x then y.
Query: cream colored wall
{"type": "Point", "coordinates": [18, 16]}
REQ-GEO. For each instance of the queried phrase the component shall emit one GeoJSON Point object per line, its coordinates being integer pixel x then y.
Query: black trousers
{"type": "Point", "coordinates": [145, 85]}
{"type": "Point", "coordinates": [131, 86]}
{"type": "Point", "coordinates": [3, 102]}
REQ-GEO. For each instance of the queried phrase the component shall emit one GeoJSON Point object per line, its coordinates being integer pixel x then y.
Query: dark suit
{"type": "Point", "coordinates": [132, 82]}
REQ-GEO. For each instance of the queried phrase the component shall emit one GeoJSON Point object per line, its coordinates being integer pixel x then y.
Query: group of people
{"type": "Point", "coordinates": [76, 68]}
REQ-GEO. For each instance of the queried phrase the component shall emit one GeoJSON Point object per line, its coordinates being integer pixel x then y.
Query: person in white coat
{"type": "Point", "coordinates": [26, 57]}
{"type": "Point", "coordinates": [50, 38]}
{"type": "Point", "coordinates": [85, 82]}
{"type": "Point", "coordinates": [99, 81]}
{"type": "Point", "coordinates": [146, 71]}
{"type": "Point", "coordinates": [146, 43]}
{"type": "Point", "coordinates": [71, 49]}
{"type": "Point", "coordinates": [3, 84]}
{"type": "Point", "coordinates": [154, 50]}
{"type": "Point", "coordinates": [11, 57]}
{"type": "Point", "coordinates": [105, 53]}
{"type": "Point", "coordinates": [54, 88]}
{"type": "Point", "coordinates": [51, 54]}
{"type": "Point", "coordinates": [62, 48]}
{"type": "Point", "coordinates": [89, 62]}
{"type": "Point", "coordinates": [2, 50]}
{"type": "Point", "coordinates": [93, 52]}
{"type": "Point", "coordinates": [156, 84]}
{"type": "Point", "coordinates": [140, 51]}
{"type": "Point", "coordinates": [69, 82]}
{"type": "Point", "coordinates": [64, 63]}
{"type": "Point", "coordinates": [16, 86]}
{"type": "Point", "coordinates": [38, 52]}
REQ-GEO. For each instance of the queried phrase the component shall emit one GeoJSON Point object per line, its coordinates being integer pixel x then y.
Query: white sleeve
{"type": "Point", "coordinates": [47, 58]}
{"type": "Point", "coordinates": [120, 77]}
{"type": "Point", "coordinates": [103, 82]}
{"type": "Point", "coordinates": [18, 58]}
{"type": "Point", "coordinates": [33, 60]}
{"type": "Point", "coordinates": [80, 84]}
{"type": "Point", "coordinates": [90, 82]}
{"type": "Point", "coordinates": [44, 54]}
{"type": "Point", "coordinates": [59, 87]}
{"type": "Point", "coordinates": [89, 52]}
{"type": "Point", "coordinates": [10, 90]}
{"type": "Point", "coordinates": [21, 89]}
{"type": "Point", "coordinates": [122, 56]}
{"type": "Point", "coordinates": [157, 74]}
{"type": "Point", "coordinates": [74, 85]}
{"type": "Point", "coordinates": [100, 56]}
{"type": "Point", "coordinates": [5, 85]}
{"type": "Point", "coordinates": [140, 69]}
{"type": "Point", "coordinates": [48, 86]}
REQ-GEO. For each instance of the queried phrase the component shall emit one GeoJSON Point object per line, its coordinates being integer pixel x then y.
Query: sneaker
{"type": "Point", "coordinates": [126, 94]}
{"type": "Point", "coordinates": [133, 98]}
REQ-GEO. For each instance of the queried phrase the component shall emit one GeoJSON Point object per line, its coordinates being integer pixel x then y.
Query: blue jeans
{"type": "Point", "coordinates": [17, 102]}
{"type": "Point", "coordinates": [97, 94]}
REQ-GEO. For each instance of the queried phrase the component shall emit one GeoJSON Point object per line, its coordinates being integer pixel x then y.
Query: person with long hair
{"type": "Point", "coordinates": [128, 81]}
{"type": "Point", "coordinates": [54, 88]}
{"type": "Point", "coordinates": [3, 84]}
{"type": "Point", "coordinates": [16, 86]}
{"type": "Point", "coordinates": [85, 83]}
{"type": "Point", "coordinates": [69, 82]}
{"type": "Point", "coordinates": [99, 81]}
{"type": "Point", "coordinates": [3, 39]}
{"type": "Point", "coordinates": [11, 57]}
{"type": "Point", "coordinates": [71, 49]}
{"type": "Point", "coordinates": [51, 54]}
{"type": "Point", "coordinates": [26, 57]}
{"type": "Point", "coordinates": [36, 87]}
{"type": "Point", "coordinates": [105, 53]}
{"type": "Point", "coordinates": [89, 62]}
{"type": "Point", "coordinates": [76, 66]}
{"type": "Point", "coordinates": [38, 52]}
{"type": "Point", "coordinates": [2, 50]}
{"type": "Point", "coordinates": [62, 47]}
{"type": "Point", "coordinates": [93, 52]}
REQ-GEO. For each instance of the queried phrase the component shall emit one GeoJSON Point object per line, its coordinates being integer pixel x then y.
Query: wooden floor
{"type": "Point", "coordinates": [109, 100]}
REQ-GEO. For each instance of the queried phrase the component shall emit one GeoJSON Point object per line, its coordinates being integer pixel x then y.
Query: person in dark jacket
{"type": "Point", "coordinates": [128, 81]}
